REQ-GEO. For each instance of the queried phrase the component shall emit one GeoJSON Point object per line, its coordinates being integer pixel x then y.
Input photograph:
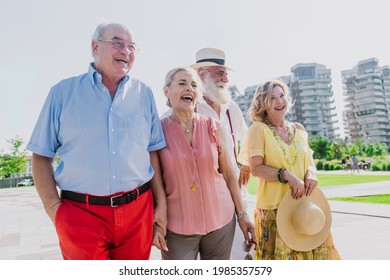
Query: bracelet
{"type": "Point", "coordinates": [280, 176]}
{"type": "Point", "coordinates": [241, 215]}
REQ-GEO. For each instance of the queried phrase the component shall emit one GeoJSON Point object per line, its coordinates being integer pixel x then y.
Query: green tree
{"type": "Point", "coordinates": [376, 149]}
{"type": "Point", "coordinates": [357, 147]}
{"type": "Point", "coordinates": [380, 149]}
{"type": "Point", "coordinates": [337, 148]}
{"type": "Point", "coordinates": [320, 147]}
{"type": "Point", "coordinates": [14, 162]}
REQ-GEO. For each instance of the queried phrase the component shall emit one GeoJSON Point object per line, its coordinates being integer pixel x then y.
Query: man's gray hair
{"type": "Point", "coordinates": [101, 28]}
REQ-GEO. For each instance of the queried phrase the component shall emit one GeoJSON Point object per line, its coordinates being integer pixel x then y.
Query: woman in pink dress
{"type": "Point", "coordinates": [203, 196]}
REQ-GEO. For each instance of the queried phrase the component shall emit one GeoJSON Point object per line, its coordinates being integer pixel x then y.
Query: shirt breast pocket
{"type": "Point", "coordinates": [139, 129]}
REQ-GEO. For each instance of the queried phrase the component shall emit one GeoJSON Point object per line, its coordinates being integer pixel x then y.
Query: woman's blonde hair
{"type": "Point", "coordinates": [261, 101]}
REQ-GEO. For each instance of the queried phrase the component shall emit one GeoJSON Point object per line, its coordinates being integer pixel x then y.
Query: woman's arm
{"type": "Point", "coordinates": [310, 179]}
{"type": "Point", "coordinates": [270, 174]}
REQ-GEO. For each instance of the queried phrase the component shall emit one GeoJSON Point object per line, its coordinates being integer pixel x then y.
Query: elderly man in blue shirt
{"type": "Point", "coordinates": [105, 128]}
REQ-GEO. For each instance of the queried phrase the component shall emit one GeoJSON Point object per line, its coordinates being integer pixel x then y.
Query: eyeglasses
{"type": "Point", "coordinates": [247, 248]}
{"type": "Point", "coordinates": [120, 45]}
{"type": "Point", "coordinates": [221, 73]}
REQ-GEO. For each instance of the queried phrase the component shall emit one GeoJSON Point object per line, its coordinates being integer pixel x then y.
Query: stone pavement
{"type": "Point", "coordinates": [360, 230]}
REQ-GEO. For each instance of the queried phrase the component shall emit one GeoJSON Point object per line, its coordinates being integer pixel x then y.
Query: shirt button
{"type": "Point", "coordinates": [113, 152]}
{"type": "Point", "coordinates": [114, 177]}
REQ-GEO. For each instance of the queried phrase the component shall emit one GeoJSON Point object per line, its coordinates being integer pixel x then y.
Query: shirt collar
{"type": "Point", "coordinates": [96, 78]}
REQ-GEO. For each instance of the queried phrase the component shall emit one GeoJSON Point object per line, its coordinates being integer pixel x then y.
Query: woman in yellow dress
{"type": "Point", "coordinates": [278, 154]}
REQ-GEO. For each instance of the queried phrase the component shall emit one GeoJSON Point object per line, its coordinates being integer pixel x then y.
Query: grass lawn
{"type": "Point", "coordinates": [326, 180]}
{"type": "Point", "coordinates": [381, 199]}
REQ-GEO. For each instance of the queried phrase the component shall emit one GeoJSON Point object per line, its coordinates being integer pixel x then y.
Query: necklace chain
{"type": "Point", "coordinates": [185, 128]}
{"type": "Point", "coordinates": [290, 140]}
{"type": "Point", "coordinates": [194, 187]}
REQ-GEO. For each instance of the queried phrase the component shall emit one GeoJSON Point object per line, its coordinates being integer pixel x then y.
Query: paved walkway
{"type": "Point", "coordinates": [360, 230]}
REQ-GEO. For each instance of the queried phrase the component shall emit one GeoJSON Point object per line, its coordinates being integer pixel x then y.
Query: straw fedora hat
{"type": "Point", "coordinates": [209, 57]}
{"type": "Point", "coordinates": [304, 223]}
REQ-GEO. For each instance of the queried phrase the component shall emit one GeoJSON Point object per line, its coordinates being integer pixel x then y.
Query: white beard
{"type": "Point", "coordinates": [213, 91]}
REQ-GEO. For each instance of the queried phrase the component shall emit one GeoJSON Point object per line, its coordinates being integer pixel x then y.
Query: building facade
{"type": "Point", "coordinates": [314, 106]}
{"type": "Point", "coordinates": [311, 91]}
{"type": "Point", "coordinates": [366, 89]}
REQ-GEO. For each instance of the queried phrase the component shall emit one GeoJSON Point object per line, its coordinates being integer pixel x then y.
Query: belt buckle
{"type": "Point", "coordinates": [112, 200]}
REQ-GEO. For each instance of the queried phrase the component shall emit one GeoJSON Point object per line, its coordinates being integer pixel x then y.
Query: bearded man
{"type": "Point", "coordinates": [217, 103]}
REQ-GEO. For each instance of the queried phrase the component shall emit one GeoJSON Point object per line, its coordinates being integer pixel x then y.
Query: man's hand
{"type": "Point", "coordinates": [159, 238]}
{"type": "Point", "coordinates": [247, 228]}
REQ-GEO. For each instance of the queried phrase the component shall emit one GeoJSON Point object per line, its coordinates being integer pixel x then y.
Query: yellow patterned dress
{"type": "Point", "coordinates": [296, 158]}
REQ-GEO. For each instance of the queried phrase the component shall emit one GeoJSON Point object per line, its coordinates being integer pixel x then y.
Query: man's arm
{"type": "Point", "coordinates": [42, 172]}
{"type": "Point", "coordinates": [160, 201]}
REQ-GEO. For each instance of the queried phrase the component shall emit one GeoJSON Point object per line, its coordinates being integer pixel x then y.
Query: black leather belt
{"type": "Point", "coordinates": [113, 201]}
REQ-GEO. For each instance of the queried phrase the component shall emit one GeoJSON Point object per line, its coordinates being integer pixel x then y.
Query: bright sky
{"type": "Point", "coordinates": [45, 41]}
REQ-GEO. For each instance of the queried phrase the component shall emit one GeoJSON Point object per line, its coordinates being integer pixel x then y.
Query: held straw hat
{"type": "Point", "coordinates": [304, 223]}
{"type": "Point", "coordinates": [209, 57]}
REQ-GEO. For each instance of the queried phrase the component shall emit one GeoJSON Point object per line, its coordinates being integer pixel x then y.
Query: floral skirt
{"type": "Point", "coordinates": [271, 246]}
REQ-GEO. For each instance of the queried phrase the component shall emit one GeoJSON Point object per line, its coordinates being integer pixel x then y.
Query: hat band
{"type": "Point", "coordinates": [215, 60]}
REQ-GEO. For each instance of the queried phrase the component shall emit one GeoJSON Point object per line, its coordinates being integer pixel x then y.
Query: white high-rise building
{"type": "Point", "coordinates": [314, 107]}
{"type": "Point", "coordinates": [312, 94]}
{"type": "Point", "coordinates": [366, 88]}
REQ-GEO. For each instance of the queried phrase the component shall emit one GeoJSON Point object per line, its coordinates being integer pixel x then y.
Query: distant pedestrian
{"type": "Point", "coordinates": [348, 165]}
{"type": "Point", "coordinates": [355, 162]}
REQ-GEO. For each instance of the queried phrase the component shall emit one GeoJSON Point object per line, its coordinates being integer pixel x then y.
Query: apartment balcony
{"type": "Point", "coordinates": [309, 122]}
{"type": "Point", "coordinates": [369, 95]}
{"type": "Point", "coordinates": [315, 94]}
{"type": "Point", "coordinates": [332, 121]}
{"type": "Point", "coordinates": [308, 114]}
{"type": "Point", "coordinates": [334, 114]}
{"type": "Point", "coordinates": [369, 76]}
{"type": "Point", "coordinates": [373, 119]}
{"type": "Point", "coordinates": [380, 137]}
{"type": "Point", "coordinates": [323, 85]}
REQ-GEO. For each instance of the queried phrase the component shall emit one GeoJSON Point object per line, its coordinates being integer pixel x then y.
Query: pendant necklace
{"type": "Point", "coordinates": [194, 187]}
{"type": "Point", "coordinates": [290, 140]}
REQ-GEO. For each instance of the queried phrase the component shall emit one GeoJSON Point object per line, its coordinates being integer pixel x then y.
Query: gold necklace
{"type": "Point", "coordinates": [185, 128]}
{"type": "Point", "coordinates": [290, 139]}
{"type": "Point", "coordinates": [194, 187]}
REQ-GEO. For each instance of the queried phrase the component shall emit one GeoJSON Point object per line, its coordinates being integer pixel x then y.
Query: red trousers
{"type": "Point", "coordinates": [100, 232]}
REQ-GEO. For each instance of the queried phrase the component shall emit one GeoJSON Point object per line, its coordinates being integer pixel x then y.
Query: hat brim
{"type": "Point", "coordinates": [294, 239]}
{"type": "Point", "coordinates": [198, 65]}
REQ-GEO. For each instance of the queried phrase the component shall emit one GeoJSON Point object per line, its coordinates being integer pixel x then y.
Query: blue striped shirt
{"type": "Point", "coordinates": [103, 144]}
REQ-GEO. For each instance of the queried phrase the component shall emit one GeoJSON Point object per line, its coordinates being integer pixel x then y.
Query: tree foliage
{"type": "Point", "coordinates": [15, 161]}
{"type": "Point", "coordinates": [320, 146]}
{"type": "Point", "coordinates": [338, 148]}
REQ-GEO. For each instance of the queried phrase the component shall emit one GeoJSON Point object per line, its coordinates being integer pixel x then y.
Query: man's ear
{"type": "Point", "coordinates": [94, 47]}
{"type": "Point", "coordinates": [202, 72]}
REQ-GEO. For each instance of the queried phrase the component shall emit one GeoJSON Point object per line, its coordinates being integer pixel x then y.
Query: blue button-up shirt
{"type": "Point", "coordinates": [103, 144]}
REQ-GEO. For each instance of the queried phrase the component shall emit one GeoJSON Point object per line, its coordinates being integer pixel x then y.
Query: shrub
{"type": "Point", "coordinates": [320, 165]}
{"type": "Point", "coordinates": [376, 167]}
{"type": "Point", "coordinates": [338, 167]}
{"type": "Point", "coordinates": [326, 166]}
